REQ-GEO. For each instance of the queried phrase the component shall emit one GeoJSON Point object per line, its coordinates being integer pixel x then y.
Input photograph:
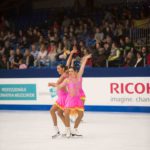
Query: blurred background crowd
{"type": "Point", "coordinates": [44, 37]}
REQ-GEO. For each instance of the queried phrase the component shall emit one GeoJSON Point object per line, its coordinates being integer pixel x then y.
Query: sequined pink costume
{"type": "Point", "coordinates": [82, 94]}
{"type": "Point", "coordinates": [62, 95]}
{"type": "Point", "coordinates": [73, 100]}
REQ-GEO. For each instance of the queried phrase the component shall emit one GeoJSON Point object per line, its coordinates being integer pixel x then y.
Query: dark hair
{"type": "Point", "coordinates": [140, 53]}
{"type": "Point", "coordinates": [63, 66]}
{"type": "Point", "coordinates": [74, 68]}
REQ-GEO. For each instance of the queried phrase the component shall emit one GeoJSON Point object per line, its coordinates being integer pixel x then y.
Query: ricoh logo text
{"type": "Point", "coordinates": [130, 88]}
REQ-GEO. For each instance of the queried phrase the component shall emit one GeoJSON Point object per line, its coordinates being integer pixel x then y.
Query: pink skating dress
{"type": "Point", "coordinates": [73, 100]}
{"type": "Point", "coordinates": [82, 94]}
{"type": "Point", "coordinates": [62, 95]}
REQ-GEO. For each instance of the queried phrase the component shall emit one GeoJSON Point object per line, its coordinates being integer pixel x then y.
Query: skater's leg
{"type": "Point", "coordinates": [77, 122]}
{"type": "Point", "coordinates": [67, 119]}
{"type": "Point", "coordinates": [67, 122]}
{"type": "Point", "coordinates": [79, 118]}
{"type": "Point", "coordinates": [61, 115]}
{"type": "Point", "coordinates": [53, 110]}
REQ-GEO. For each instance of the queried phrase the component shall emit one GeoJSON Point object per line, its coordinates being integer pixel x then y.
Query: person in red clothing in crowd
{"type": "Point", "coordinates": [148, 59]}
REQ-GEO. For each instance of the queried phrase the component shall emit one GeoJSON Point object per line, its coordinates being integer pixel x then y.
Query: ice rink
{"type": "Point", "coordinates": [32, 130]}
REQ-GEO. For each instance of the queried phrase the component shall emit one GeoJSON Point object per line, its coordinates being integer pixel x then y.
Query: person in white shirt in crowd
{"type": "Point", "coordinates": [52, 55]}
{"type": "Point", "coordinates": [34, 51]}
{"type": "Point", "coordinates": [99, 36]}
{"type": "Point", "coordinates": [42, 56]}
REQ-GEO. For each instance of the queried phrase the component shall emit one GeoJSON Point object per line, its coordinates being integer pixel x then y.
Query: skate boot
{"type": "Point", "coordinates": [56, 132]}
{"type": "Point", "coordinates": [68, 132]}
{"type": "Point", "coordinates": [64, 133]}
{"type": "Point", "coordinates": [75, 132]}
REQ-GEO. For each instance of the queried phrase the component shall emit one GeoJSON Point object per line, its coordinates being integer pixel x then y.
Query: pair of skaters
{"type": "Point", "coordinates": [70, 96]}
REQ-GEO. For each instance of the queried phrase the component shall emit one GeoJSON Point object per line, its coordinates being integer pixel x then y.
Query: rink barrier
{"type": "Point", "coordinates": [89, 72]}
{"type": "Point", "coordinates": [133, 109]}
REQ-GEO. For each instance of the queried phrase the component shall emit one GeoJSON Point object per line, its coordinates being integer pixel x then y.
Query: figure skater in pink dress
{"type": "Point", "coordinates": [62, 94]}
{"type": "Point", "coordinates": [74, 114]}
{"type": "Point", "coordinates": [73, 100]}
{"type": "Point", "coordinates": [60, 102]}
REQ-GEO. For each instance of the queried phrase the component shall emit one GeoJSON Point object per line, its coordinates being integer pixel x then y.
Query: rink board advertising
{"type": "Point", "coordinates": [110, 91]}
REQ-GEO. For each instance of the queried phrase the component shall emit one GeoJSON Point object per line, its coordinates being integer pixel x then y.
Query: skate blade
{"type": "Point", "coordinates": [76, 135]}
{"type": "Point", "coordinates": [55, 136]}
{"type": "Point", "coordinates": [63, 135]}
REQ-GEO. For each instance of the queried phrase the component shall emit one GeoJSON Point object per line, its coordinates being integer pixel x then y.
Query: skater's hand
{"type": "Point", "coordinates": [74, 51]}
{"type": "Point", "coordinates": [73, 60]}
{"type": "Point", "coordinates": [88, 56]}
{"type": "Point", "coordinates": [49, 84]}
{"type": "Point", "coordinates": [52, 84]}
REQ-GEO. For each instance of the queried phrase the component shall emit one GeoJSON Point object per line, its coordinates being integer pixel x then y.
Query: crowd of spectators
{"type": "Point", "coordinates": [107, 39]}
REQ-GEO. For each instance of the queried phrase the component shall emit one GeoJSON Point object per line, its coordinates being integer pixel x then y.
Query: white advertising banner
{"type": "Point", "coordinates": [116, 91]}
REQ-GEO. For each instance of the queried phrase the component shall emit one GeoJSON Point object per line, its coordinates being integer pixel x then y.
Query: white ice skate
{"type": "Point", "coordinates": [68, 133]}
{"type": "Point", "coordinates": [56, 132]}
{"type": "Point", "coordinates": [64, 133]}
{"type": "Point", "coordinates": [56, 135]}
{"type": "Point", "coordinates": [75, 132]}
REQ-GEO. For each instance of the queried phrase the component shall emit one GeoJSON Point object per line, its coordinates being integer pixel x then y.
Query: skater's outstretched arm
{"type": "Point", "coordinates": [59, 86]}
{"type": "Point", "coordinates": [83, 63]}
{"type": "Point", "coordinates": [63, 84]}
{"type": "Point", "coordinates": [52, 84]}
{"type": "Point", "coordinates": [72, 62]}
{"type": "Point", "coordinates": [61, 78]}
{"type": "Point", "coordinates": [70, 57]}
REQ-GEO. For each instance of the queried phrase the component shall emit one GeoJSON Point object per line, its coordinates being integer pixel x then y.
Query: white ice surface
{"type": "Point", "coordinates": [32, 130]}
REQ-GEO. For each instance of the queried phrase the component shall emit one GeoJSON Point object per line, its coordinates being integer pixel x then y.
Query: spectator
{"type": "Point", "coordinates": [101, 28]}
{"type": "Point", "coordinates": [42, 56]}
{"type": "Point", "coordinates": [144, 54]}
{"type": "Point", "coordinates": [3, 62]}
{"type": "Point", "coordinates": [66, 43]}
{"type": "Point", "coordinates": [64, 55]}
{"type": "Point", "coordinates": [114, 56]}
{"type": "Point", "coordinates": [97, 35]}
{"type": "Point", "coordinates": [101, 58]}
{"type": "Point", "coordinates": [11, 59]}
{"type": "Point", "coordinates": [148, 59]}
{"type": "Point", "coordinates": [52, 55]}
{"type": "Point", "coordinates": [2, 50]}
{"type": "Point", "coordinates": [7, 48]}
{"type": "Point", "coordinates": [18, 56]}
{"type": "Point", "coordinates": [59, 48]}
{"type": "Point", "coordinates": [139, 60]}
{"type": "Point", "coordinates": [29, 59]}
{"type": "Point", "coordinates": [107, 49]}
{"type": "Point", "coordinates": [128, 46]}
{"type": "Point", "coordinates": [129, 60]}
{"type": "Point", "coordinates": [34, 51]}
{"type": "Point", "coordinates": [90, 40]}
{"type": "Point", "coordinates": [82, 48]}
{"type": "Point", "coordinates": [66, 21]}
{"type": "Point", "coordinates": [22, 65]}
